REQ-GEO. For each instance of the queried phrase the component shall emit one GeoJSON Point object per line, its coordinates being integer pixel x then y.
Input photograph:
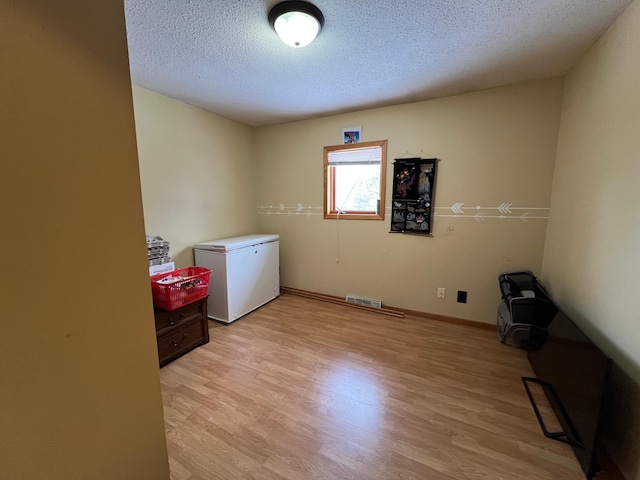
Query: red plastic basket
{"type": "Point", "coordinates": [180, 287]}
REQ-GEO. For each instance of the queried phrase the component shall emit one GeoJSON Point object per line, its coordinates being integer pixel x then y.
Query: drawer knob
{"type": "Point", "coordinates": [172, 321]}
{"type": "Point", "coordinates": [178, 342]}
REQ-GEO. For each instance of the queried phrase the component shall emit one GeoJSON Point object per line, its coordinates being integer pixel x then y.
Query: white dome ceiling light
{"type": "Point", "coordinates": [296, 23]}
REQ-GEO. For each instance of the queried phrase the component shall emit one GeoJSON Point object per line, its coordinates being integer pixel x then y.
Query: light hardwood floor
{"type": "Point", "coordinates": [302, 389]}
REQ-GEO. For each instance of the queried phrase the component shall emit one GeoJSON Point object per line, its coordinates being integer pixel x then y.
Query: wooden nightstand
{"type": "Point", "coordinates": [181, 330]}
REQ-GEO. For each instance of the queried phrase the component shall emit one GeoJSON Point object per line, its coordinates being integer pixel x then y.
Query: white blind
{"type": "Point", "coordinates": [356, 156]}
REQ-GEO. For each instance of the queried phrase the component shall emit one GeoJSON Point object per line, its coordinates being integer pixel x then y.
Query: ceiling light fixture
{"type": "Point", "coordinates": [296, 23]}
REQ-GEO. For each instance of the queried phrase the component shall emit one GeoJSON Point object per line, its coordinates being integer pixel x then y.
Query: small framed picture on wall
{"type": "Point", "coordinates": [351, 134]}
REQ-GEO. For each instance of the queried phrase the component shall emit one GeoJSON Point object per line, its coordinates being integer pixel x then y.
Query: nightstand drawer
{"type": "Point", "coordinates": [180, 340]}
{"type": "Point", "coordinates": [183, 315]}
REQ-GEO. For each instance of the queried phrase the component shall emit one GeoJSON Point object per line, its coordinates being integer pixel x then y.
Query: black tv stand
{"type": "Point", "coordinates": [571, 437]}
{"type": "Point", "coordinates": [572, 372]}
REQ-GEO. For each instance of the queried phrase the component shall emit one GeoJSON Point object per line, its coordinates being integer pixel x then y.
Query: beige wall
{"type": "Point", "coordinates": [592, 254]}
{"type": "Point", "coordinates": [495, 146]}
{"type": "Point", "coordinates": [197, 173]}
{"type": "Point", "coordinates": [80, 395]}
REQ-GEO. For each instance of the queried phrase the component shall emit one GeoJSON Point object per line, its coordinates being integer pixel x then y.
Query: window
{"type": "Point", "coordinates": [354, 180]}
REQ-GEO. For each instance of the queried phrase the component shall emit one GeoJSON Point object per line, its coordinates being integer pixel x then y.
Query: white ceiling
{"type": "Point", "coordinates": [223, 56]}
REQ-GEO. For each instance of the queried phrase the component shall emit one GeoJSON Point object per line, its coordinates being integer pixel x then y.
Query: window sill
{"type": "Point", "coordinates": [353, 216]}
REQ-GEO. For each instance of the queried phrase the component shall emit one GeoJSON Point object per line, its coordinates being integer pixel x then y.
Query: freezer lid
{"type": "Point", "coordinates": [235, 243]}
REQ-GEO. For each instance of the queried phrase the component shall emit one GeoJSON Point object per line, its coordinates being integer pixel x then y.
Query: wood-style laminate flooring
{"type": "Point", "coordinates": [302, 389]}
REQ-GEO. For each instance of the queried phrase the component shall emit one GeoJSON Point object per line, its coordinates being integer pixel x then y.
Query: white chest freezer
{"type": "Point", "coordinates": [245, 273]}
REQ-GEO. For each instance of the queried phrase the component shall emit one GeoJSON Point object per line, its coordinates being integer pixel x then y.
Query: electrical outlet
{"type": "Point", "coordinates": [441, 292]}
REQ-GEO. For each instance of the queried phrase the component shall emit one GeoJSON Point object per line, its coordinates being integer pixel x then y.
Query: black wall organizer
{"type": "Point", "coordinates": [413, 193]}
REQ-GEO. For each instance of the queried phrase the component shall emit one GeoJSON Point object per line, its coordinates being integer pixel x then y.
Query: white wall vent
{"type": "Point", "coordinates": [369, 302]}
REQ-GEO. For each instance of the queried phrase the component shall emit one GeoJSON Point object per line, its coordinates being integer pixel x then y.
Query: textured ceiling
{"type": "Point", "coordinates": [223, 56]}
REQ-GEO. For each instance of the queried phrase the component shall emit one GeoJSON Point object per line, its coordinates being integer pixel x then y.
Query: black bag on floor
{"type": "Point", "coordinates": [525, 312]}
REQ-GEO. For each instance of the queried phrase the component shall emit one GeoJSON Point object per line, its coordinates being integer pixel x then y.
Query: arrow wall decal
{"type": "Point", "coordinates": [503, 207]}
{"type": "Point", "coordinates": [506, 210]}
{"type": "Point", "coordinates": [457, 208]}
{"type": "Point", "coordinates": [480, 217]}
